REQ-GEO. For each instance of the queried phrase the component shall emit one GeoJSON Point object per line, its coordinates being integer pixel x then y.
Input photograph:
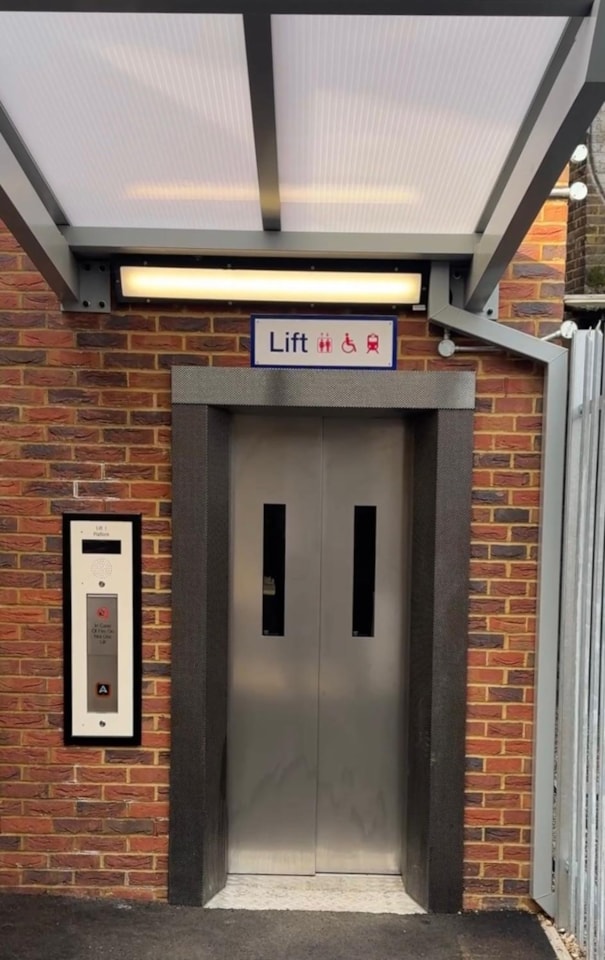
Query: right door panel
{"type": "Point", "coordinates": [363, 616]}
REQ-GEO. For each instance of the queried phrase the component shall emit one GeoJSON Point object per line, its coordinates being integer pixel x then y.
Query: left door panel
{"type": "Point", "coordinates": [274, 644]}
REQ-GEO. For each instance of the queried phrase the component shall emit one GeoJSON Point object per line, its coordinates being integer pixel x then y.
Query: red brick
{"type": "Point", "coordinates": [501, 870]}
{"type": "Point", "coordinates": [99, 878]}
{"type": "Point", "coordinates": [48, 844]}
{"type": "Point", "coordinates": [132, 862]}
{"type": "Point", "coordinates": [100, 844]}
{"type": "Point", "coordinates": [23, 825]}
{"type": "Point", "coordinates": [480, 816]}
{"type": "Point", "coordinates": [481, 851]}
{"type": "Point", "coordinates": [503, 765]}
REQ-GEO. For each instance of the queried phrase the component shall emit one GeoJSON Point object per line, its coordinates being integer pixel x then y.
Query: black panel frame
{"type": "Point", "coordinates": [198, 776]}
{"type": "Point", "coordinates": [437, 660]}
{"type": "Point", "coordinates": [243, 262]}
{"type": "Point", "coordinates": [434, 804]}
{"type": "Point", "coordinates": [69, 738]}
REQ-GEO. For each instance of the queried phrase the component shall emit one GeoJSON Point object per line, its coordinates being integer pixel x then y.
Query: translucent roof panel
{"type": "Point", "coordinates": [400, 124]}
{"type": "Point", "coordinates": [135, 119]}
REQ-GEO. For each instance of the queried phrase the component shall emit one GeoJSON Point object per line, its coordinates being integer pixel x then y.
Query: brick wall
{"type": "Point", "coordinates": [585, 271]}
{"type": "Point", "coordinates": [85, 426]}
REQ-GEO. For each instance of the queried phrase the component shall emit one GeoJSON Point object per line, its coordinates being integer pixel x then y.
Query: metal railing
{"type": "Point", "coordinates": [580, 815]}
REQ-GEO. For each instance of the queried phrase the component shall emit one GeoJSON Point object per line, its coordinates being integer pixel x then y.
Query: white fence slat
{"type": "Point", "coordinates": [586, 540]}
{"type": "Point", "coordinates": [567, 756]}
{"type": "Point", "coordinates": [592, 752]}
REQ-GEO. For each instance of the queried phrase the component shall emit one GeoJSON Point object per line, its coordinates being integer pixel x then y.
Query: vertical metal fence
{"type": "Point", "coordinates": [580, 826]}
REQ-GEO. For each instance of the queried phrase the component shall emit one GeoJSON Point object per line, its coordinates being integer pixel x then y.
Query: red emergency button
{"type": "Point", "coordinates": [103, 613]}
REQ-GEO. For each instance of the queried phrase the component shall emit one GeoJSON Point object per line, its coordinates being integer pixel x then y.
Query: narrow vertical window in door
{"type": "Point", "coordinates": [364, 570]}
{"type": "Point", "coordinates": [274, 568]}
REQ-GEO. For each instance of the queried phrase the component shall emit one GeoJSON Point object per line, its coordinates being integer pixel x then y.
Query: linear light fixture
{"type": "Point", "coordinates": [279, 286]}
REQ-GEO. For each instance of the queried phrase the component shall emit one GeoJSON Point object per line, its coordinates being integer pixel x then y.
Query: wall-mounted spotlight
{"type": "Point", "coordinates": [576, 191]}
{"type": "Point", "coordinates": [278, 286]}
{"type": "Point", "coordinates": [565, 331]}
{"type": "Point", "coordinates": [580, 153]}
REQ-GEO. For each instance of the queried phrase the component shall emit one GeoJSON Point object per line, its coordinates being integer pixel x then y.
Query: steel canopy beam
{"type": "Point", "coordinates": [30, 168]}
{"type": "Point", "coordinates": [29, 221]}
{"type": "Point", "coordinates": [576, 95]}
{"type": "Point", "coordinates": [440, 8]}
{"type": "Point", "coordinates": [100, 242]}
{"type": "Point", "coordinates": [259, 53]}
{"type": "Point", "coordinates": [540, 98]}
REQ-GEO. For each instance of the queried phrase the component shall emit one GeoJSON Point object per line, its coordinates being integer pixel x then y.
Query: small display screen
{"type": "Point", "coordinates": [101, 546]}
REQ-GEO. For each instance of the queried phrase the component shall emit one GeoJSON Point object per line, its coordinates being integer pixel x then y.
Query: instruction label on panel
{"type": "Point", "coordinates": [337, 342]}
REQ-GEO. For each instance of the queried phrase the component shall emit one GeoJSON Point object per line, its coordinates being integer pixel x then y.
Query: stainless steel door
{"type": "Point", "coordinates": [272, 782]}
{"type": "Point", "coordinates": [359, 798]}
{"type": "Point", "coordinates": [317, 628]}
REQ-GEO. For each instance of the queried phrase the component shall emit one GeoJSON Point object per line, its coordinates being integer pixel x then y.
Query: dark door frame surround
{"type": "Point", "coordinates": [439, 406]}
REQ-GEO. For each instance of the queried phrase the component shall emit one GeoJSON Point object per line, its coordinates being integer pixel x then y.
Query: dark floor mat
{"type": "Point", "coordinates": [61, 928]}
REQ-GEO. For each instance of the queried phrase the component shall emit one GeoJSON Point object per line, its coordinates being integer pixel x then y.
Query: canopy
{"type": "Point", "coordinates": [391, 130]}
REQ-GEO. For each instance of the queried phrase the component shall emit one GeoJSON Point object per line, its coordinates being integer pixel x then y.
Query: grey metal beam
{"type": "Point", "coordinates": [474, 8]}
{"type": "Point", "coordinates": [259, 54]}
{"type": "Point", "coordinates": [515, 341]}
{"type": "Point", "coordinates": [99, 242]}
{"type": "Point", "coordinates": [547, 641]}
{"type": "Point", "coordinates": [558, 58]}
{"type": "Point", "coordinates": [30, 223]}
{"type": "Point", "coordinates": [575, 97]}
{"type": "Point", "coordinates": [31, 168]}
{"type": "Point", "coordinates": [498, 334]}
{"type": "Point", "coordinates": [555, 360]}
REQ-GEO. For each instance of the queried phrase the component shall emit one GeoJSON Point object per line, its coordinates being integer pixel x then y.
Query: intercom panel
{"type": "Point", "coordinates": [102, 627]}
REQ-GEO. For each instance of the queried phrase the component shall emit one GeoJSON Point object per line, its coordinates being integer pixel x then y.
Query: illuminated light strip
{"type": "Point", "coordinates": [280, 286]}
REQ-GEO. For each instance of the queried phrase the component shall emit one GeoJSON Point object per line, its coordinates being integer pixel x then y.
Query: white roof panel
{"type": "Point", "coordinates": [135, 119]}
{"type": "Point", "coordinates": [387, 129]}
{"type": "Point", "coordinates": [400, 124]}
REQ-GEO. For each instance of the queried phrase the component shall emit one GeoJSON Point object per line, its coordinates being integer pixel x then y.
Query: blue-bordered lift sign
{"type": "Point", "coordinates": [351, 343]}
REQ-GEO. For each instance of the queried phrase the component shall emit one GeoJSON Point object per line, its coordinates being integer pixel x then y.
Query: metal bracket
{"type": "Point", "coordinates": [458, 282]}
{"type": "Point", "coordinates": [492, 307]}
{"type": "Point", "coordinates": [94, 287]}
{"type": "Point", "coordinates": [458, 277]}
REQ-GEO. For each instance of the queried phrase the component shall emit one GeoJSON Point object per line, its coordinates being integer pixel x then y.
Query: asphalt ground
{"type": "Point", "coordinates": [39, 927]}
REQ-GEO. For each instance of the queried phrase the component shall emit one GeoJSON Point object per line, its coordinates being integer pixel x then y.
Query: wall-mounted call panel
{"type": "Point", "coordinates": [102, 628]}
